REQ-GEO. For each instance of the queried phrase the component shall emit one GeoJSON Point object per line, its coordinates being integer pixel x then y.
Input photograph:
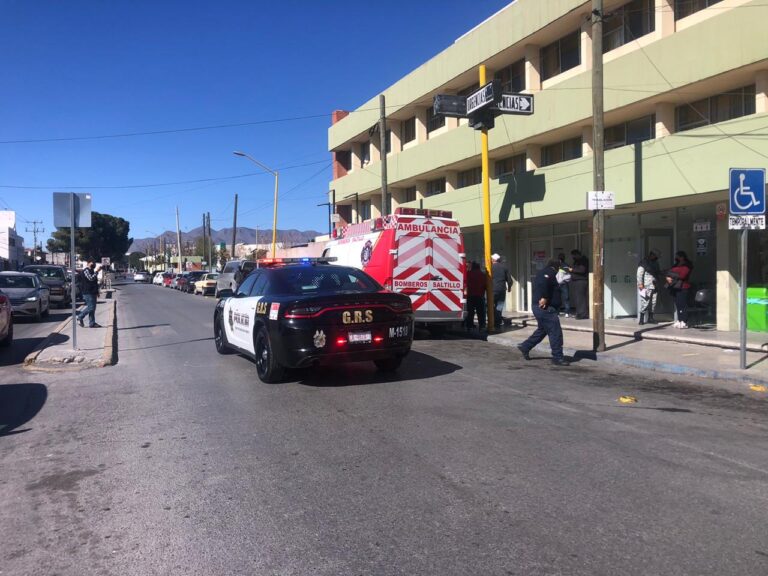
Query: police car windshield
{"type": "Point", "coordinates": [302, 280]}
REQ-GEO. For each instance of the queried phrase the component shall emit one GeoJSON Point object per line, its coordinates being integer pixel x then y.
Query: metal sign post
{"type": "Point", "coordinates": [743, 303]}
{"type": "Point", "coordinates": [73, 287]}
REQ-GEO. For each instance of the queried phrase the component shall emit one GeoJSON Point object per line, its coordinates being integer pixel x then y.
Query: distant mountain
{"type": "Point", "coordinates": [244, 235]}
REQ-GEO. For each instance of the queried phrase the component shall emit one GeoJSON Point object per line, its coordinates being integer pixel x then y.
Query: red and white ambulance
{"type": "Point", "coordinates": [414, 251]}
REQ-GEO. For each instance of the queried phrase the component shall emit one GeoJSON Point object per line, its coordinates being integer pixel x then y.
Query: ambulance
{"type": "Point", "coordinates": [414, 251]}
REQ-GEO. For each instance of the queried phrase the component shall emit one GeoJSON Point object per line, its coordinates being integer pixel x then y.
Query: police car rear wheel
{"type": "Point", "coordinates": [266, 366]}
{"type": "Point", "coordinates": [219, 338]}
{"type": "Point", "coordinates": [388, 364]}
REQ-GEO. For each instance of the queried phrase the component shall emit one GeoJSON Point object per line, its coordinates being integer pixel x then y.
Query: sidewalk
{"type": "Point", "coordinates": [659, 347]}
{"type": "Point", "coordinates": [96, 347]}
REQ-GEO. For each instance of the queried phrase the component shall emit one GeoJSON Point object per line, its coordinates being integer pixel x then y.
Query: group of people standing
{"type": "Point", "coordinates": [475, 292]}
{"type": "Point", "coordinates": [676, 280]}
{"type": "Point", "coordinates": [573, 283]}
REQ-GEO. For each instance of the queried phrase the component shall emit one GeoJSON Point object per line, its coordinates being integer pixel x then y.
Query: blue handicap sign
{"type": "Point", "coordinates": [747, 191]}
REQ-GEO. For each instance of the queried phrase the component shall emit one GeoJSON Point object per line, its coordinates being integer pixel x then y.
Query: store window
{"type": "Point", "coordinates": [625, 24]}
{"type": "Point", "coordinates": [726, 106]}
{"type": "Point", "coordinates": [561, 55]}
{"type": "Point", "coordinates": [685, 8]}
{"type": "Point", "coordinates": [631, 132]}
{"type": "Point", "coordinates": [561, 152]}
{"type": "Point", "coordinates": [409, 130]}
{"type": "Point", "coordinates": [469, 177]}
{"type": "Point", "coordinates": [435, 187]}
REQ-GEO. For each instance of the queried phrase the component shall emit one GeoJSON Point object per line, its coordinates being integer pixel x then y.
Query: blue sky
{"type": "Point", "coordinates": [102, 68]}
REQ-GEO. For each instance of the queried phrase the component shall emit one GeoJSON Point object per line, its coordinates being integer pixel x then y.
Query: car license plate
{"type": "Point", "coordinates": [359, 337]}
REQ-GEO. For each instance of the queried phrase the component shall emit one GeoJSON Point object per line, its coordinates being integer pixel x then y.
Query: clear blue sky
{"type": "Point", "coordinates": [101, 68]}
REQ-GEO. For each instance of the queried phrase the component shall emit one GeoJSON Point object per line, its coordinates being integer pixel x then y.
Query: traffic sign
{"type": "Point", "coordinates": [746, 222]}
{"type": "Point", "coordinates": [450, 105]}
{"type": "Point", "coordinates": [516, 104]}
{"type": "Point", "coordinates": [485, 96]}
{"type": "Point", "coordinates": [747, 191]}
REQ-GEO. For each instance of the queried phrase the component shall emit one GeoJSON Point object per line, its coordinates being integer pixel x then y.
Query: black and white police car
{"type": "Point", "coordinates": [292, 313]}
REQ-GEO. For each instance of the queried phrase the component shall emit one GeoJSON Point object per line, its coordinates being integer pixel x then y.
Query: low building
{"type": "Point", "coordinates": [11, 244]}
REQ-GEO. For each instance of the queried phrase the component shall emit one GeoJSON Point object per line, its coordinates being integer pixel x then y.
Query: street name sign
{"type": "Point", "coordinates": [450, 105]}
{"type": "Point", "coordinates": [600, 200]}
{"type": "Point", "coordinates": [521, 104]}
{"type": "Point", "coordinates": [485, 96]}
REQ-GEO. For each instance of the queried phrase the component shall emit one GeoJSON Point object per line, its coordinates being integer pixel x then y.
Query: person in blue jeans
{"type": "Point", "coordinates": [90, 288]}
{"type": "Point", "coordinates": [546, 306]}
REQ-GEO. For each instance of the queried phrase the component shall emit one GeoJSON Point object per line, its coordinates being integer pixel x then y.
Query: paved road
{"type": "Point", "coordinates": [27, 334]}
{"type": "Point", "coordinates": [179, 461]}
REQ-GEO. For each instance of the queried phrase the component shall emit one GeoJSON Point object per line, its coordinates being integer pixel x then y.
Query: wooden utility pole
{"type": "Point", "coordinates": [178, 237]}
{"type": "Point", "coordinates": [385, 202]}
{"type": "Point", "coordinates": [598, 168]}
{"type": "Point", "coordinates": [234, 231]}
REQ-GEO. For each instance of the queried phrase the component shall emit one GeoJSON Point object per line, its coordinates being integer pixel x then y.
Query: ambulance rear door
{"type": "Point", "coordinates": [447, 269]}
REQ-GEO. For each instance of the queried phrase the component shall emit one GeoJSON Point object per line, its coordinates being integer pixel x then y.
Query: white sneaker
{"type": "Point", "coordinates": [683, 325]}
{"type": "Point", "coordinates": [676, 324]}
{"type": "Point", "coordinates": [567, 315]}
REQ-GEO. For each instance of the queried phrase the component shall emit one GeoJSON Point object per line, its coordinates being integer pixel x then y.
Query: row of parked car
{"type": "Point", "coordinates": [196, 282]}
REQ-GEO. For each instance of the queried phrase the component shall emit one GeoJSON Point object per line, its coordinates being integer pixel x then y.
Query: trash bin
{"type": "Point", "coordinates": [757, 308]}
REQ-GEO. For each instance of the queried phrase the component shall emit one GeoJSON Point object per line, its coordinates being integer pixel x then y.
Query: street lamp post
{"type": "Point", "coordinates": [274, 217]}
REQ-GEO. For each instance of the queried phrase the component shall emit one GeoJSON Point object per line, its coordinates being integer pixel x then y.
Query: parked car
{"type": "Point", "coordinates": [206, 284]}
{"type": "Point", "coordinates": [189, 283]}
{"type": "Point", "coordinates": [233, 274]}
{"type": "Point", "coordinates": [140, 277]}
{"type": "Point", "coordinates": [29, 295]}
{"type": "Point", "coordinates": [6, 320]}
{"type": "Point", "coordinates": [55, 277]}
{"type": "Point", "coordinates": [167, 279]}
{"type": "Point", "coordinates": [181, 281]}
{"type": "Point", "coordinates": [158, 279]}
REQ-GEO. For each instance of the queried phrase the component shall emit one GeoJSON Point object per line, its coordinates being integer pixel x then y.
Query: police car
{"type": "Point", "coordinates": [292, 313]}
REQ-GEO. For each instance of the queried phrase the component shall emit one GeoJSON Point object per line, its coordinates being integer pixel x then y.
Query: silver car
{"type": "Point", "coordinates": [28, 295]}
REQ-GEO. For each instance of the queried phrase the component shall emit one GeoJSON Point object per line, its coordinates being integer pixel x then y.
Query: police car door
{"type": "Point", "coordinates": [239, 314]}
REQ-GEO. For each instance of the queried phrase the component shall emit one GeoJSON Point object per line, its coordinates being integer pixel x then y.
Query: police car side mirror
{"type": "Point", "coordinates": [226, 293]}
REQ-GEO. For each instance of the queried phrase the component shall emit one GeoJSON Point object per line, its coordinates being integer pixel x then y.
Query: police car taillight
{"type": "Point", "coordinates": [302, 311]}
{"type": "Point", "coordinates": [341, 341]}
{"type": "Point", "coordinates": [378, 339]}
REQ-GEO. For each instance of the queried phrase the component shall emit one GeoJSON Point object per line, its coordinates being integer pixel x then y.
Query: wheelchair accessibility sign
{"type": "Point", "coordinates": [747, 198]}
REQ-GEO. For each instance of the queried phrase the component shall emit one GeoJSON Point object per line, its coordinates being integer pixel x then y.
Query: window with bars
{"type": "Point", "coordinates": [409, 130]}
{"type": "Point", "coordinates": [435, 187]}
{"type": "Point", "coordinates": [434, 121]}
{"type": "Point", "coordinates": [365, 153]}
{"type": "Point", "coordinates": [631, 21]}
{"type": "Point", "coordinates": [562, 151]}
{"type": "Point", "coordinates": [509, 165]}
{"type": "Point", "coordinates": [726, 106]}
{"type": "Point", "coordinates": [638, 130]}
{"type": "Point", "coordinates": [469, 177]}
{"type": "Point", "coordinates": [561, 55]}
{"type": "Point", "coordinates": [512, 77]}
{"type": "Point", "coordinates": [409, 194]}
{"type": "Point", "coordinates": [685, 8]}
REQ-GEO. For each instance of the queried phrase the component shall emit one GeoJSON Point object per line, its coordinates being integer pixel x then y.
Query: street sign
{"type": "Point", "coordinates": [747, 191]}
{"type": "Point", "coordinates": [62, 216]}
{"type": "Point", "coordinates": [516, 104]}
{"type": "Point", "coordinates": [485, 96]}
{"type": "Point", "coordinates": [450, 105]}
{"type": "Point", "coordinates": [335, 218]}
{"type": "Point", "coordinates": [600, 200]}
{"type": "Point", "coordinates": [105, 261]}
{"type": "Point", "coordinates": [748, 222]}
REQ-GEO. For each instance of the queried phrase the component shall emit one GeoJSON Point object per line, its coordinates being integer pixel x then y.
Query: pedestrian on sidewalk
{"type": "Point", "coordinates": [579, 288]}
{"type": "Point", "coordinates": [476, 285]}
{"type": "Point", "coordinates": [89, 280]}
{"type": "Point", "coordinates": [546, 303]}
{"type": "Point", "coordinates": [679, 285]}
{"type": "Point", "coordinates": [502, 283]}
{"type": "Point", "coordinates": [647, 277]}
{"type": "Point", "coordinates": [564, 280]}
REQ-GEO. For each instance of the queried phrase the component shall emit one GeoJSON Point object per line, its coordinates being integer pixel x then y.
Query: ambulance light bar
{"type": "Point", "coordinates": [424, 212]}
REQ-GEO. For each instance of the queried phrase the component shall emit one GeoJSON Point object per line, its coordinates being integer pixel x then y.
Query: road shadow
{"type": "Point", "coordinates": [19, 403]}
{"type": "Point", "coordinates": [19, 350]}
{"type": "Point", "coordinates": [142, 326]}
{"type": "Point", "coordinates": [168, 344]}
{"type": "Point", "coordinates": [416, 366]}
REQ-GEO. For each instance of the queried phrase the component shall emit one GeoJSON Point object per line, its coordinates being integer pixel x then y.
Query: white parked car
{"type": "Point", "coordinates": [158, 279]}
{"type": "Point", "coordinates": [140, 277]}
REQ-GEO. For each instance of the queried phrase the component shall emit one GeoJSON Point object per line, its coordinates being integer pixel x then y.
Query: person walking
{"type": "Point", "coordinates": [90, 289]}
{"type": "Point", "coordinates": [502, 283]}
{"type": "Point", "coordinates": [579, 288]}
{"type": "Point", "coordinates": [647, 278]}
{"type": "Point", "coordinates": [476, 285]}
{"type": "Point", "coordinates": [564, 280]}
{"type": "Point", "coordinates": [678, 283]}
{"type": "Point", "coordinates": [546, 303]}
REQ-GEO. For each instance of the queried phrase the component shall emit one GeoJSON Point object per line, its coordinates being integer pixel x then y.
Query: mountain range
{"type": "Point", "coordinates": [244, 235]}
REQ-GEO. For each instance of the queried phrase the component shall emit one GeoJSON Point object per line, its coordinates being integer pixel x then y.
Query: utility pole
{"type": "Point", "coordinates": [178, 237]}
{"type": "Point", "coordinates": [35, 231]}
{"type": "Point", "coordinates": [385, 202]}
{"type": "Point", "coordinates": [210, 243]}
{"type": "Point", "coordinates": [234, 230]}
{"type": "Point", "coordinates": [202, 256]}
{"type": "Point", "coordinates": [491, 317]}
{"type": "Point", "coordinates": [598, 169]}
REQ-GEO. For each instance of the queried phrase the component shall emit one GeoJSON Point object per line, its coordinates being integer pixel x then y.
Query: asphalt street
{"type": "Point", "coordinates": [470, 461]}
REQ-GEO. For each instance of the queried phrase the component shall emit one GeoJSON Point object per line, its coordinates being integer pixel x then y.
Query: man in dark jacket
{"type": "Point", "coordinates": [502, 284]}
{"type": "Point", "coordinates": [475, 288]}
{"type": "Point", "coordinates": [89, 280]}
{"type": "Point", "coordinates": [546, 303]}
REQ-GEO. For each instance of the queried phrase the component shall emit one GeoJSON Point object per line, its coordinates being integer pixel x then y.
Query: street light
{"type": "Point", "coordinates": [274, 217]}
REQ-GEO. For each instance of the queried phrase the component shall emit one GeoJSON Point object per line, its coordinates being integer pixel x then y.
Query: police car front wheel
{"type": "Point", "coordinates": [267, 367]}
{"type": "Point", "coordinates": [219, 338]}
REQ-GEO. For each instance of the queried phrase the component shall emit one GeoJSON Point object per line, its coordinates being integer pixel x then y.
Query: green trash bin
{"type": "Point", "coordinates": [757, 308]}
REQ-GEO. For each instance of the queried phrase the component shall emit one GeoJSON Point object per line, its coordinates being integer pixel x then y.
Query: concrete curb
{"type": "Point", "coordinates": [31, 358]}
{"type": "Point", "coordinates": [109, 357]}
{"type": "Point", "coordinates": [666, 367]}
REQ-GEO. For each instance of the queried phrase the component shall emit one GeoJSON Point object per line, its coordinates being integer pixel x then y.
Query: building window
{"type": "Point", "coordinates": [561, 55]}
{"type": "Point", "coordinates": [388, 142]}
{"type": "Point", "coordinates": [510, 165]}
{"type": "Point", "coordinates": [726, 106]}
{"type": "Point", "coordinates": [512, 77]}
{"type": "Point", "coordinates": [365, 210]}
{"type": "Point", "coordinates": [434, 121]}
{"type": "Point", "coordinates": [685, 8]}
{"type": "Point", "coordinates": [344, 158]}
{"type": "Point", "coordinates": [631, 132]}
{"type": "Point", "coordinates": [631, 21]}
{"type": "Point", "coordinates": [409, 194]}
{"type": "Point", "coordinates": [469, 177]}
{"type": "Point", "coordinates": [365, 153]}
{"type": "Point", "coordinates": [409, 130]}
{"type": "Point", "coordinates": [560, 152]}
{"type": "Point", "coordinates": [435, 187]}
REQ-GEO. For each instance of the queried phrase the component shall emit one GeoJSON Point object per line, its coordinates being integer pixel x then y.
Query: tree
{"type": "Point", "coordinates": [107, 237]}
